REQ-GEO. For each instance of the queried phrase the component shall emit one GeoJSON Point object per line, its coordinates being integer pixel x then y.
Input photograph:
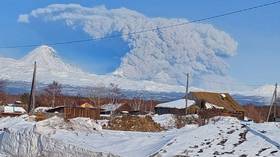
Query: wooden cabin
{"type": "Point", "coordinates": [216, 104]}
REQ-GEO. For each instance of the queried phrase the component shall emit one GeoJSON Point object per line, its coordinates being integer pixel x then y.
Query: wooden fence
{"type": "Point", "coordinates": [2, 114]}
{"type": "Point", "coordinates": [73, 112]}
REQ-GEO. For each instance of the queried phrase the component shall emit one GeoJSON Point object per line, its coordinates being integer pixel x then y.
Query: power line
{"type": "Point", "coordinates": [143, 31]}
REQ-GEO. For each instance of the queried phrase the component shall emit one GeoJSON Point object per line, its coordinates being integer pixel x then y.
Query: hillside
{"type": "Point", "coordinates": [51, 67]}
{"type": "Point", "coordinates": [223, 136]}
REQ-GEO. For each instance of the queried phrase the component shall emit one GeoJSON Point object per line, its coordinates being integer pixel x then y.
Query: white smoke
{"type": "Point", "coordinates": [165, 55]}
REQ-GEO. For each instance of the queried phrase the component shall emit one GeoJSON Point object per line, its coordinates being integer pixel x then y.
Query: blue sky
{"type": "Point", "coordinates": [257, 33]}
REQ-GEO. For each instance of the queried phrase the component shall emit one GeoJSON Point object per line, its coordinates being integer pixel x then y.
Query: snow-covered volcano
{"type": "Point", "coordinates": [50, 67]}
{"type": "Point", "coordinates": [48, 60]}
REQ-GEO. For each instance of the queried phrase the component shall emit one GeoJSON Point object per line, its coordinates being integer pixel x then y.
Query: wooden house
{"type": "Point", "coordinates": [216, 104]}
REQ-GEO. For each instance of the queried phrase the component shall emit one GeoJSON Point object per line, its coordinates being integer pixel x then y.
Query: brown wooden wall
{"type": "Point", "coordinates": [208, 113]}
{"type": "Point", "coordinates": [164, 110]}
{"type": "Point", "coordinates": [10, 114]}
{"type": "Point", "coordinates": [73, 112]}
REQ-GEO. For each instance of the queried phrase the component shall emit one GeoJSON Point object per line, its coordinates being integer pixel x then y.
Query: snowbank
{"type": "Point", "coordinates": [85, 124]}
{"type": "Point", "coordinates": [166, 121]}
{"type": "Point", "coordinates": [21, 138]}
{"type": "Point", "coordinates": [223, 136]}
{"type": "Point", "coordinates": [75, 124]}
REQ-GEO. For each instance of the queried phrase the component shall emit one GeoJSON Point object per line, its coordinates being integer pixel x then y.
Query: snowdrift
{"type": "Point", "coordinates": [223, 136]}
{"type": "Point", "coordinates": [21, 138]}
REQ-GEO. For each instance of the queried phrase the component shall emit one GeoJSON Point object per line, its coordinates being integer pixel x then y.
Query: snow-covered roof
{"type": "Point", "coordinates": [42, 109]}
{"type": "Point", "coordinates": [212, 106]}
{"type": "Point", "coordinates": [87, 105]}
{"type": "Point", "coordinates": [179, 104]}
{"type": "Point", "coordinates": [218, 99]}
{"type": "Point", "coordinates": [110, 107]}
{"type": "Point", "coordinates": [14, 109]}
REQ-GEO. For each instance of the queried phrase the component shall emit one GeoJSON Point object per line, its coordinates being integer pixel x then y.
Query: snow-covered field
{"type": "Point", "coordinates": [223, 136]}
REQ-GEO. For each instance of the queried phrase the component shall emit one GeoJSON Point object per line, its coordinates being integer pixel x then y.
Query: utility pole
{"type": "Point", "coordinates": [273, 104]}
{"type": "Point", "coordinates": [31, 104]}
{"type": "Point", "coordinates": [53, 96]}
{"type": "Point", "coordinates": [187, 92]}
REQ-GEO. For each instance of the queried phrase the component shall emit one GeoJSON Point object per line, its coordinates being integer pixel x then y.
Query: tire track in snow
{"type": "Point", "coordinates": [267, 139]}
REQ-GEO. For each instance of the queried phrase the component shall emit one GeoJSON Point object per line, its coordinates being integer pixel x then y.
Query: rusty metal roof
{"type": "Point", "coordinates": [219, 99]}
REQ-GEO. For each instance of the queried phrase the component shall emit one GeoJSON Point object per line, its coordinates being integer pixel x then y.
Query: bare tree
{"type": "Point", "coordinates": [114, 93]}
{"type": "Point", "coordinates": [95, 95]}
{"type": "Point", "coordinates": [138, 101]}
{"type": "Point", "coordinates": [53, 90]}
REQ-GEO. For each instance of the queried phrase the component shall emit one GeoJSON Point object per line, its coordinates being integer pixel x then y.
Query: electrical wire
{"type": "Point", "coordinates": [143, 31]}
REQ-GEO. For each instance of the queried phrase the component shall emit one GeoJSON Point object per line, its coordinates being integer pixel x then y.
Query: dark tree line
{"type": "Point", "coordinates": [52, 96]}
{"type": "Point", "coordinates": [2, 92]}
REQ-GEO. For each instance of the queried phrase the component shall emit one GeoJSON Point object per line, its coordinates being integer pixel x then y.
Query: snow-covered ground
{"type": "Point", "coordinates": [166, 121]}
{"type": "Point", "coordinates": [223, 136]}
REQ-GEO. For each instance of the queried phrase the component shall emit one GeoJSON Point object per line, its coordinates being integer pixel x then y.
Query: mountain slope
{"type": "Point", "coordinates": [47, 59]}
{"type": "Point", "coordinates": [50, 67]}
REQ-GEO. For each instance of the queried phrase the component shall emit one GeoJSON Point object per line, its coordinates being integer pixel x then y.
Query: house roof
{"type": "Point", "coordinates": [56, 109]}
{"type": "Point", "coordinates": [219, 99]}
{"type": "Point", "coordinates": [86, 105]}
{"type": "Point", "coordinates": [14, 109]}
{"type": "Point", "coordinates": [179, 104]}
{"type": "Point", "coordinates": [110, 107]}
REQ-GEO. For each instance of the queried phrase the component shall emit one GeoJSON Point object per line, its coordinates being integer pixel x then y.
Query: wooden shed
{"type": "Point", "coordinates": [220, 104]}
